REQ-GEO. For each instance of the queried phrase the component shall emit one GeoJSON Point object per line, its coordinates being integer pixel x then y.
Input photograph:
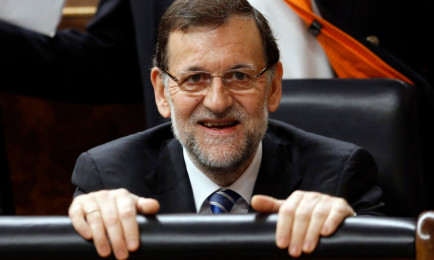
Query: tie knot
{"type": "Point", "coordinates": [222, 201]}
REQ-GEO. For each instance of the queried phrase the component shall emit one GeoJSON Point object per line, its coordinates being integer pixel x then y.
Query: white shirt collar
{"type": "Point", "coordinates": [203, 186]}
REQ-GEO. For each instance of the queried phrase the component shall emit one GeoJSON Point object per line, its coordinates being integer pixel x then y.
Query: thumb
{"type": "Point", "coordinates": [147, 206]}
{"type": "Point", "coordinates": [266, 204]}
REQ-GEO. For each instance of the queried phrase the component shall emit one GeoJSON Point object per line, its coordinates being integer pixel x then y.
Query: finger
{"type": "Point", "coordinates": [285, 219]}
{"type": "Point", "coordinates": [266, 204]}
{"type": "Point", "coordinates": [112, 224]}
{"type": "Point", "coordinates": [126, 207]}
{"type": "Point", "coordinates": [147, 206]}
{"type": "Point", "coordinates": [339, 212]}
{"type": "Point", "coordinates": [77, 216]}
{"type": "Point", "coordinates": [302, 218]}
{"type": "Point", "coordinates": [319, 216]}
{"type": "Point", "coordinates": [96, 224]}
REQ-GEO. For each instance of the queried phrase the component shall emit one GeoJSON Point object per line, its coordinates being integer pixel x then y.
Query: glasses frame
{"type": "Point", "coordinates": [261, 72]}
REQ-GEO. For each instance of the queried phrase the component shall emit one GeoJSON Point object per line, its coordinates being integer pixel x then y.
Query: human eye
{"type": "Point", "coordinates": [194, 82]}
{"type": "Point", "coordinates": [195, 78]}
{"type": "Point", "coordinates": [237, 76]}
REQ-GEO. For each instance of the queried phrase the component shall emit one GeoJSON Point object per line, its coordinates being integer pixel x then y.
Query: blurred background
{"type": "Point", "coordinates": [35, 131]}
{"type": "Point", "coordinates": [43, 138]}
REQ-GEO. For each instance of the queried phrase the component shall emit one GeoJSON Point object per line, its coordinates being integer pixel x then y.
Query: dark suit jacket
{"type": "Point", "coordinates": [151, 164]}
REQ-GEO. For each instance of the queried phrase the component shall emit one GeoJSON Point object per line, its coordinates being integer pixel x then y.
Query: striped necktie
{"type": "Point", "coordinates": [222, 201]}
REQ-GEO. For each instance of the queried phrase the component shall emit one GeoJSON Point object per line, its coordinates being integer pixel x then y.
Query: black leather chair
{"type": "Point", "coordinates": [377, 114]}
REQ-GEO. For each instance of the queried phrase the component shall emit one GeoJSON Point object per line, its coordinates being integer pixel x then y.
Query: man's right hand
{"type": "Point", "coordinates": [109, 218]}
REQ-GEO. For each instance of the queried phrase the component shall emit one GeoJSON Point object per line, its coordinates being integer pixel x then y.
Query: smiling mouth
{"type": "Point", "coordinates": [219, 125]}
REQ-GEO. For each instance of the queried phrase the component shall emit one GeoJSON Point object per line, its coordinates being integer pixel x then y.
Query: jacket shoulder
{"type": "Point", "coordinates": [125, 162]}
{"type": "Point", "coordinates": [146, 143]}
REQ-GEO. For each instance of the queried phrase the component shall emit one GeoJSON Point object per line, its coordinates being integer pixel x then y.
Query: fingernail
{"type": "Point", "coordinates": [122, 254]}
{"type": "Point", "coordinates": [104, 250]}
{"type": "Point", "coordinates": [307, 246]}
{"type": "Point", "coordinates": [132, 244]}
{"type": "Point", "coordinates": [87, 235]}
{"type": "Point", "coordinates": [294, 250]}
{"type": "Point", "coordinates": [282, 242]}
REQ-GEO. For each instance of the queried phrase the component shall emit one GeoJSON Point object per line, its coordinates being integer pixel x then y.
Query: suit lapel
{"type": "Point", "coordinates": [277, 176]}
{"type": "Point", "coordinates": [169, 181]}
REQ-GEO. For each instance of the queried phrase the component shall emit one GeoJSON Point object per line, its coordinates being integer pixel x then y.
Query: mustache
{"type": "Point", "coordinates": [202, 113]}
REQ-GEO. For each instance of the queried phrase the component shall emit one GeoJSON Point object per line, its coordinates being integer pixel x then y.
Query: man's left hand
{"type": "Point", "coordinates": [303, 217]}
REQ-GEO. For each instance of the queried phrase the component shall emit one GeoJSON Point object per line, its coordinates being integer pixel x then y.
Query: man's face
{"type": "Point", "coordinates": [219, 128]}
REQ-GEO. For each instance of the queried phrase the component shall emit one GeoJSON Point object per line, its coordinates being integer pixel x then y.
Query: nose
{"type": "Point", "coordinates": [218, 98]}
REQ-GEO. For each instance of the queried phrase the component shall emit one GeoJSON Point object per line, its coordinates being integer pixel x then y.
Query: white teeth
{"type": "Point", "coordinates": [210, 124]}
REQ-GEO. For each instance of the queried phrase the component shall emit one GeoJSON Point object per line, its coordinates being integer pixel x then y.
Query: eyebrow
{"type": "Point", "coordinates": [234, 67]}
{"type": "Point", "coordinates": [243, 66]}
{"type": "Point", "coordinates": [193, 68]}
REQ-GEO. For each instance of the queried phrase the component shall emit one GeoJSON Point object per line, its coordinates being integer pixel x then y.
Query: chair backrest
{"type": "Point", "coordinates": [377, 114]}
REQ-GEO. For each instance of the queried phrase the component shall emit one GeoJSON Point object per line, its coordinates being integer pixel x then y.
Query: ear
{"type": "Point", "coordinates": [159, 92]}
{"type": "Point", "coordinates": [275, 91]}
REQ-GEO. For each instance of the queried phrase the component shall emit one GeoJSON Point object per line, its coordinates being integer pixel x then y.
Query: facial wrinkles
{"type": "Point", "coordinates": [220, 157]}
{"type": "Point", "coordinates": [227, 153]}
{"type": "Point", "coordinates": [213, 49]}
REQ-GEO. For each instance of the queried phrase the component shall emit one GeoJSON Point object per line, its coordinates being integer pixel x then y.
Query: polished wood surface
{"type": "Point", "coordinates": [425, 236]}
{"type": "Point", "coordinates": [77, 13]}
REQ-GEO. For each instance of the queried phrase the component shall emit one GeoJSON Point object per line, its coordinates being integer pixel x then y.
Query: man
{"type": "Point", "coordinates": [217, 75]}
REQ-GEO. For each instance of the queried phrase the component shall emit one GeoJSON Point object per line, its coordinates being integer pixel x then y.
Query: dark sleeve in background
{"type": "Point", "coordinates": [146, 17]}
{"type": "Point", "coordinates": [402, 27]}
{"type": "Point", "coordinates": [97, 66]}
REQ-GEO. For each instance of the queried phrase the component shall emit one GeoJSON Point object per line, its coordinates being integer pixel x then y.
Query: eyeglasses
{"type": "Point", "coordinates": [236, 80]}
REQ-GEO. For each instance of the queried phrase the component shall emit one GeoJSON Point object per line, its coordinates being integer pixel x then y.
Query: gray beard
{"type": "Point", "coordinates": [221, 161]}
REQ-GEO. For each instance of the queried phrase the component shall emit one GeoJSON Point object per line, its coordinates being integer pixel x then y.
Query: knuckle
{"type": "Point", "coordinates": [320, 213]}
{"type": "Point", "coordinates": [127, 212]}
{"type": "Point", "coordinates": [121, 192]}
{"type": "Point", "coordinates": [98, 195]}
{"type": "Point", "coordinates": [73, 210]}
{"type": "Point", "coordinates": [315, 197]}
{"type": "Point", "coordinates": [341, 201]}
{"type": "Point", "coordinates": [298, 193]}
{"type": "Point", "coordinates": [286, 210]}
{"type": "Point", "coordinates": [314, 194]}
{"type": "Point", "coordinates": [326, 196]}
{"type": "Point", "coordinates": [80, 198]}
{"type": "Point", "coordinates": [93, 218]}
{"type": "Point", "coordinates": [111, 220]}
{"type": "Point", "coordinates": [303, 213]}
{"type": "Point", "coordinates": [341, 209]}
{"type": "Point", "coordinates": [74, 214]}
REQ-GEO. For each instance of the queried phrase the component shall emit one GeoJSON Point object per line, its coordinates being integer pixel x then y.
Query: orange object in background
{"type": "Point", "coordinates": [347, 56]}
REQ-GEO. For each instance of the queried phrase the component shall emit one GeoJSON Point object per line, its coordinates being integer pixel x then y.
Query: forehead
{"type": "Point", "coordinates": [237, 41]}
